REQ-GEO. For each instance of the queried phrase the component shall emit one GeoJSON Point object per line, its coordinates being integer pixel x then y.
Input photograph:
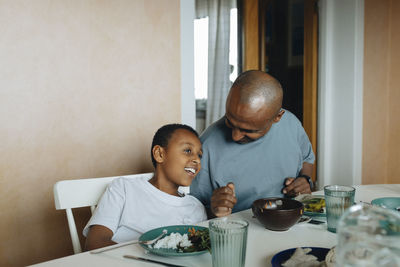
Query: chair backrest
{"type": "Point", "coordinates": [69, 194]}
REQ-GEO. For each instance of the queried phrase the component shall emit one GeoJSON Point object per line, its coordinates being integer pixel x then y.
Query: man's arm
{"type": "Point", "coordinates": [299, 185]}
{"type": "Point", "coordinates": [307, 169]}
{"type": "Point", "coordinates": [99, 236]}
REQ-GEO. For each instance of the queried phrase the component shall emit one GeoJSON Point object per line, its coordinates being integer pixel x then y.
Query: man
{"type": "Point", "coordinates": [256, 150]}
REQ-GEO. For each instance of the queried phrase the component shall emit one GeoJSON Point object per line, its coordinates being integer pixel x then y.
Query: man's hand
{"type": "Point", "coordinates": [222, 200]}
{"type": "Point", "coordinates": [296, 186]}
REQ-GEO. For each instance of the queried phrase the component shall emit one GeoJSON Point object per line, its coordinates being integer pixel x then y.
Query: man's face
{"type": "Point", "coordinates": [249, 123]}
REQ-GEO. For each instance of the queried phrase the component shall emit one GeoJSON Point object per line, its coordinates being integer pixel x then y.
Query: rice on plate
{"type": "Point", "coordinates": [173, 241]}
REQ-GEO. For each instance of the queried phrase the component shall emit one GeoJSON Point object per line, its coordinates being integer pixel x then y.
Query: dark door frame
{"type": "Point", "coordinates": [253, 57]}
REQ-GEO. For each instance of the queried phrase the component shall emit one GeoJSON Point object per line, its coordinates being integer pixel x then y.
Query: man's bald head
{"type": "Point", "coordinates": [253, 105]}
{"type": "Point", "coordinates": [255, 88]}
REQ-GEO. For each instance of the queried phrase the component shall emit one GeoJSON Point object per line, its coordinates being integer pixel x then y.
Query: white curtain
{"type": "Point", "coordinates": [218, 12]}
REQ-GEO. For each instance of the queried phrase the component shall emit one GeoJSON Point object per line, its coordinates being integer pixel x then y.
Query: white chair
{"type": "Point", "coordinates": [69, 194]}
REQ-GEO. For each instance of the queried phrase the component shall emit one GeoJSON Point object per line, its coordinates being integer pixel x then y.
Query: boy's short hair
{"type": "Point", "coordinates": [162, 136]}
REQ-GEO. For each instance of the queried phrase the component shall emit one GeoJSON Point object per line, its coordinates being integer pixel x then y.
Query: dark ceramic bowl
{"type": "Point", "coordinates": [277, 214]}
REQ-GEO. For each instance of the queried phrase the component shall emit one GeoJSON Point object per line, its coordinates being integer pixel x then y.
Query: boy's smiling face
{"type": "Point", "coordinates": [179, 162]}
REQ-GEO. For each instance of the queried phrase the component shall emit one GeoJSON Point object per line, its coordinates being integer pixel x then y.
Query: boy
{"type": "Point", "coordinates": [130, 207]}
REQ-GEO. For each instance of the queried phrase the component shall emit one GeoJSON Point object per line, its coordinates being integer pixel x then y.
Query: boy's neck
{"type": "Point", "coordinates": [165, 186]}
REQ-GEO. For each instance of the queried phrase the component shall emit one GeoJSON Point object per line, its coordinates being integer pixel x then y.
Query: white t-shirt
{"type": "Point", "coordinates": [130, 207]}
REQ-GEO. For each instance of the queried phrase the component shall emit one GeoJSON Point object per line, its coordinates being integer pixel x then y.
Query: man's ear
{"type": "Point", "coordinates": [158, 153]}
{"type": "Point", "coordinates": [279, 116]}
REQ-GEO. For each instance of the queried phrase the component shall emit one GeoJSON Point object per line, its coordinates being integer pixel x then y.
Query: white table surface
{"type": "Point", "coordinates": [262, 244]}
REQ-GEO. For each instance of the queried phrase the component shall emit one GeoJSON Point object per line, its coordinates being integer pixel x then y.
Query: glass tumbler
{"type": "Point", "coordinates": [338, 198]}
{"type": "Point", "coordinates": [368, 236]}
{"type": "Point", "coordinates": [228, 242]}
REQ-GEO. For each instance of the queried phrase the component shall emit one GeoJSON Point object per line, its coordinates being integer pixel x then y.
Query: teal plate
{"type": "Point", "coordinates": [182, 229]}
{"type": "Point", "coordinates": [392, 203]}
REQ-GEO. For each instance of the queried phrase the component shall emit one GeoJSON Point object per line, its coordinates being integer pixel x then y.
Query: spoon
{"type": "Point", "coordinates": [146, 242]}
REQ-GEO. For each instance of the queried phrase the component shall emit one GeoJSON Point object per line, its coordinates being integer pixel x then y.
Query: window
{"type": "Point", "coordinates": [200, 57]}
{"type": "Point", "coordinates": [201, 63]}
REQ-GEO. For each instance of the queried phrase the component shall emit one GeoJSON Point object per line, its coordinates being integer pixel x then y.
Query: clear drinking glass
{"type": "Point", "coordinates": [338, 198]}
{"type": "Point", "coordinates": [368, 236]}
{"type": "Point", "coordinates": [228, 242]}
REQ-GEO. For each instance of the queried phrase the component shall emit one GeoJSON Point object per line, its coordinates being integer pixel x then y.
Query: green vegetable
{"type": "Point", "coordinates": [200, 240]}
{"type": "Point", "coordinates": [314, 205]}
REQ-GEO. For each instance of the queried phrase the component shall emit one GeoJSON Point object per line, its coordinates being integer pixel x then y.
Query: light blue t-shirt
{"type": "Point", "coordinates": [258, 169]}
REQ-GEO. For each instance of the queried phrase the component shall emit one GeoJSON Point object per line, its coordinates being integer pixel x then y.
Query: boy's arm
{"type": "Point", "coordinates": [98, 236]}
{"type": "Point", "coordinates": [104, 222]}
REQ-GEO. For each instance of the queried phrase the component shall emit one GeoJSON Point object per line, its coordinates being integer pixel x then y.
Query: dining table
{"type": "Point", "coordinates": [262, 244]}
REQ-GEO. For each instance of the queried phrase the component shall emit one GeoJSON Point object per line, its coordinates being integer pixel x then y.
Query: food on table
{"type": "Point", "coordinates": [313, 203]}
{"type": "Point", "coordinates": [194, 240]}
{"type": "Point", "coordinates": [301, 258]}
{"type": "Point", "coordinates": [330, 258]}
{"type": "Point", "coordinates": [173, 241]}
{"type": "Point", "coordinates": [200, 240]}
{"type": "Point", "coordinates": [272, 204]}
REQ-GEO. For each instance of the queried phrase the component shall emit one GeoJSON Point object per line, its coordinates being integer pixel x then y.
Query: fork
{"type": "Point", "coordinates": [145, 242]}
{"type": "Point", "coordinates": [150, 242]}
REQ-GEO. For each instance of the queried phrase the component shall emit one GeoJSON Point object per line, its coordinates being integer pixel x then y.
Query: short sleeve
{"type": "Point", "coordinates": [109, 209]}
{"type": "Point", "coordinates": [305, 147]}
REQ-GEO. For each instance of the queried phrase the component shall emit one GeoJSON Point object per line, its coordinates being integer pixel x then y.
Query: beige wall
{"type": "Point", "coordinates": [83, 86]}
{"type": "Point", "coordinates": [381, 133]}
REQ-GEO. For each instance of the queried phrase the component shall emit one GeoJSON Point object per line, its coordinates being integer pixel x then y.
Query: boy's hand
{"type": "Point", "coordinates": [223, 200]}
